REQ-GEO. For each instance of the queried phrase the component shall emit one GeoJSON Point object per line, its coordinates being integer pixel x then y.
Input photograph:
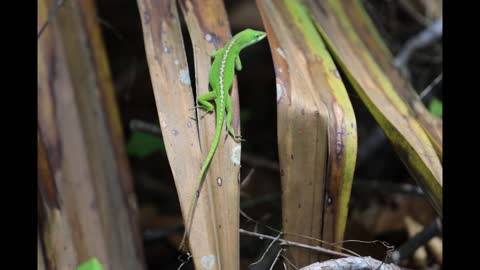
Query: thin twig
{"type": "Point", "coordinates": [50, 17]}
{"type": "Point", "coordinates": [184, 261]}
{"type": "Point", "coordinates": [423, 39]}
{"type": "Point", "coordinates": [301, 236]}
{"type": "Point", "coordinates": [242, 213]}
{"type": "Point", "coordinates": [429, 88]}
{"type": "Point", "coordinates": [114, 30]}
{"type": "Point", "coordinates": [247, 179]}
{"type": "Point", "coordinates": [287, 260]}
{"type": "Point", "coordinates": [266, 251]}
{"type": "Point", "coordinates": [291, 243]}
{"type": "Point", "coordinates": [407, 6]}
{"type": "Point", "coordinates": [140, 125]}
{"type": "Point", "coordinates": [337, 245]}
{"type": "Point", "coordinates": [276, 258]}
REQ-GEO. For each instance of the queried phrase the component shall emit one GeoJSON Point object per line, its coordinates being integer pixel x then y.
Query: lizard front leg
{"type": "Point", "coordinates": [238, 63]}
{"type": "Point", "coordinates": [214, 53]}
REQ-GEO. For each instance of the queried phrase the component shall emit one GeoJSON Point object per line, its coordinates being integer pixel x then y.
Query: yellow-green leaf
{"type": "Point", "coordinates": [377, 92]}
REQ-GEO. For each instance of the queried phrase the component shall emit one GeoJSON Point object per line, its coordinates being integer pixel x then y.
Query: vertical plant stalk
{"type": "Point", "coordinates": [85, 188]}
{"type": "Point", "coordinates": [222, 177]}
{"type": "Point", "coordinates": [317, 128]}
{"type": "Point", "coordinates": [213, 238]}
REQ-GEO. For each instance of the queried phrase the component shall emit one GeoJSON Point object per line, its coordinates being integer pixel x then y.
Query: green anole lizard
{"type": "Point", "coordinates": [221, 79]}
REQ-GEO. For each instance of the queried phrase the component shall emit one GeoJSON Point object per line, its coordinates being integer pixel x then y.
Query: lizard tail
{"type": "Point", "coordinates": [206, 163]}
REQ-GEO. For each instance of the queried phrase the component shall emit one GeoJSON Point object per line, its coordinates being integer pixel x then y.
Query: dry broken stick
{"type": "Point", "coordinates": [140, 125]}
{"type": "Point", "coordinates": [406, 250]}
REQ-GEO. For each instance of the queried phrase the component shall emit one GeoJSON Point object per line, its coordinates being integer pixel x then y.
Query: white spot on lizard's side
{"type": "Point", "coordinates": [176, 62]}
{"type": "Point", "coordinates": [236, 151]}
{"type": "Point", "coordinates": [208, 261]}
{"type": "Point", "coordinates": [219, 181]}
{"type": "Point", "coordinates": [279, 70]}
{"type": "Point", "coordinates": [166, 50]}
{"type": "Point", "coordinates": [282, 54]}
{"type": "Point", "coordinates": [185, 76]}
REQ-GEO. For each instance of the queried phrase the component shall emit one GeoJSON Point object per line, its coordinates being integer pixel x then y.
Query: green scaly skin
{"type": "Point", "coordinates": [222, 73]}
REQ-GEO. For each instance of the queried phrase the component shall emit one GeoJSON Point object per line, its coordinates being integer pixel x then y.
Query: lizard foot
{"type": "Point", "coordinates": [197, 107]}
{"type": "Point", "coordinates": [203, 115]}
{"type": "Point", "coordinates": [238, 139]}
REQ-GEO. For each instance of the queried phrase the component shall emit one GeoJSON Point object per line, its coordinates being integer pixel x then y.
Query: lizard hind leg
{"type": "Point", "coordinates": [204, 101]}
{"type": "Point", "coordinates": [230, 130]}
{"type": "Point", "coordinates": [205, 104]}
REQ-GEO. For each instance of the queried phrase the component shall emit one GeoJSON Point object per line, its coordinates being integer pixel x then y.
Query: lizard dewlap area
{"type": "Point", "coordinates": [221, 77]}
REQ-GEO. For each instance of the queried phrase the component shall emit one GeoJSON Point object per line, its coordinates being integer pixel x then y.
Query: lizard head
{"type": "Point", "coordinates": [248, 37]}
